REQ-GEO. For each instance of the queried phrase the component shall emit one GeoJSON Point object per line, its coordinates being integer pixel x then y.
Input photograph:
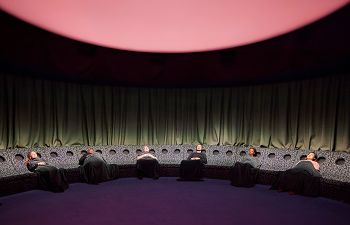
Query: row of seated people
{"type": "Point", "coordinates": [303, 178]}
{"type": "Point", "coordinates": [93, 170]}
{"type": "Point", "coordinates": [147, 165]}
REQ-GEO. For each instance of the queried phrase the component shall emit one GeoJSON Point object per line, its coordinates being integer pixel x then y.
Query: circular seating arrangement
{"type": "Point", "coordinates": [335, 166]}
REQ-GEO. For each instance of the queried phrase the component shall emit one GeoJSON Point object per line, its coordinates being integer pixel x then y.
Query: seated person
{"type": "Point", "coordinates": [94, 169]}
{"type": "Point", "coordinates": [49, 177]}
{"type": "Point", "coordinates": [147, 165]}
{"type": "Point", "coordinates": [244, 173]}
{"type": "Point", "coordinates": [193, 167]}
{"type": "Point", "coordinates": [303, 178]}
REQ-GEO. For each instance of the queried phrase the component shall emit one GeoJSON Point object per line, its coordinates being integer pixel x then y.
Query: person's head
{"type": "Point", "coordinates": [90, 151]}
{"type": "Point", "coordinates": [145, 148]}
{"type": "Point", "coordinates": [311, 156]}
{"type": "Point", "coordinates": [32, 155]}
{"type": "Point", "coordinates": [252, 151]}
{"type": "Point", "coordinates": [199, 148]}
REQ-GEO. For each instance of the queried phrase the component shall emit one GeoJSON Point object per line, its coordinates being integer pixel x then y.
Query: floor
{"type": "Point", "coordinates": [167, 201]}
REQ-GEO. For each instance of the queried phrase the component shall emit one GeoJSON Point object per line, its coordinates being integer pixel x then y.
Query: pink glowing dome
{"type": "Point", "coordinates": [170, 25]}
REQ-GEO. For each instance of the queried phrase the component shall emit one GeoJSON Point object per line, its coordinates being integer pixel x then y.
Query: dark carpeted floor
{"type": "Point", "coordinates": [167, 202]}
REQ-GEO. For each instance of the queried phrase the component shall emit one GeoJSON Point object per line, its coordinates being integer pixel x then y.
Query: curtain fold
{"type": "Point", "coordinates": [310, 114]}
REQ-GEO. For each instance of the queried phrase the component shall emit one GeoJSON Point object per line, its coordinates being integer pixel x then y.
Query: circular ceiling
{"type": "Point", "coordinates": [170, 25]}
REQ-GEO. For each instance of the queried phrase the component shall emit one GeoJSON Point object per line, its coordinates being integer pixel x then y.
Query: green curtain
{"type": "Point", "coordinates": [310, 114]}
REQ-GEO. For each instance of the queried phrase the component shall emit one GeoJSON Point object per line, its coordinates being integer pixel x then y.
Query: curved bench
{"type": "Point", "coordinates": [335, 166]}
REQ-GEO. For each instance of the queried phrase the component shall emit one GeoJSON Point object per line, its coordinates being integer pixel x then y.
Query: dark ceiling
{"type": "Point", "coordinates": [320, 49]}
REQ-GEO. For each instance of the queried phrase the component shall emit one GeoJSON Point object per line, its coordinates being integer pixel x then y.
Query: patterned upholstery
{"type": "Point", "coordinates": [65, 157]}
{"type": "Point", "coordinates": [333, 165]}
{"type": "Point", "coordinates": [168, 154]}
{"type": "Point", "coordinates": [338, 167]}
{"type": "Point", "coordinates": [6, 166]}
{"type": "Point", "coordinates": [221, 156]}
{"type": "Point", "coordinates": [277, 160]}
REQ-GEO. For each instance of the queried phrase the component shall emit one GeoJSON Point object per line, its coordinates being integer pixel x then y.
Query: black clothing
{"type": "Point", "coordinates": [202, 156]}
{"type": "Point", "coordinates": [193, 169]}
{"type": "Point", "coordinates": [243, 175]}
{"type": "Point", "coordinates": [50, 178]}
{"type": "Point", "coordinates": [147, 167]}
{"type": "Point", "coordinates": [82, 159]}
{"type": "Point", "coordinates": [94, 170]}
{"type": "Point", "coordinates": [303, 179]}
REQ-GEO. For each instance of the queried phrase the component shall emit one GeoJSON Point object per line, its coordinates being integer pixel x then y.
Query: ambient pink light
{"type": "Point", "coordinates": [170, 25]}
